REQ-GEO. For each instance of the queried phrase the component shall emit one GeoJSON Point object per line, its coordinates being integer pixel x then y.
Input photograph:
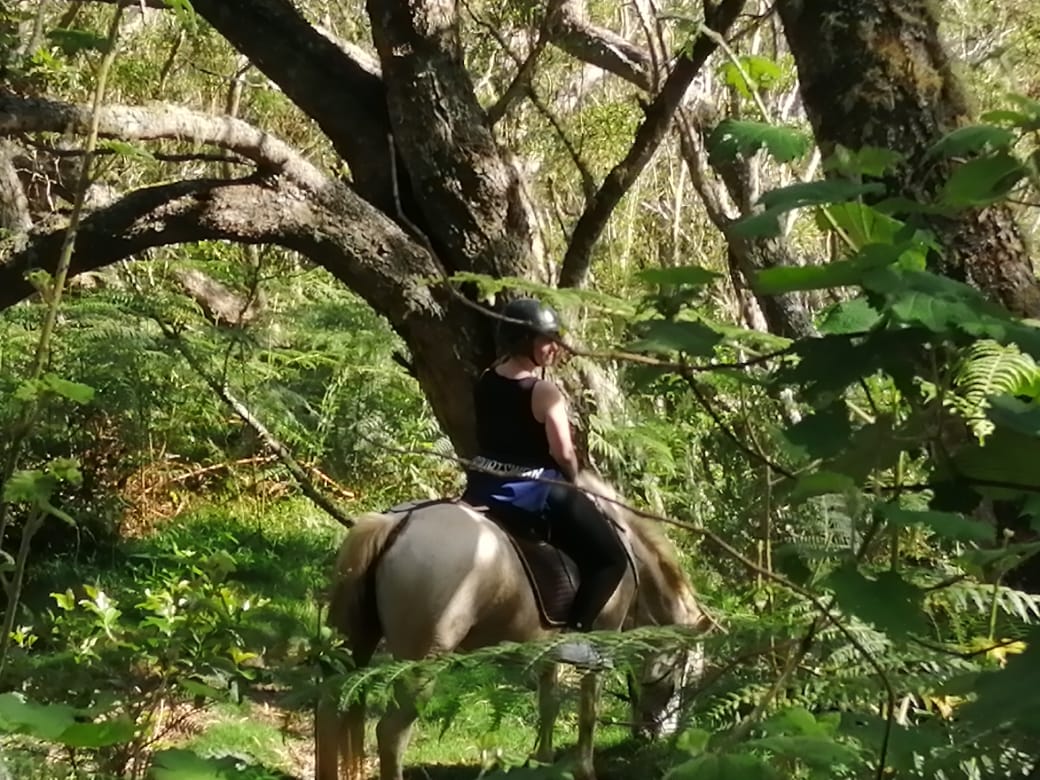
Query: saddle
{"type": "Point", "coordinates": [552, 574]}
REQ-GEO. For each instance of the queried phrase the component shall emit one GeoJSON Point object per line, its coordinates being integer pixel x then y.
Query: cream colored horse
{"type": "Point", "coordinates": [450, 581]}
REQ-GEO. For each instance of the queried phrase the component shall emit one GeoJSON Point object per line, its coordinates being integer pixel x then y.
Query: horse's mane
{"type": "Point", "coordinates": [649, 532]}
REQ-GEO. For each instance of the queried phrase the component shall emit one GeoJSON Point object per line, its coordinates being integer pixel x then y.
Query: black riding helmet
{"type": "Point", "coordinates": [535, 319]}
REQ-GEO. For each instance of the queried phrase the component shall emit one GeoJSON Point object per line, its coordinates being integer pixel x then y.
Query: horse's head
{"type": "Point", "coordinates": [665, 597]}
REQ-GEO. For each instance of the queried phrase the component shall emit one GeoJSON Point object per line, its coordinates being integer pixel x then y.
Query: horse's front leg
{"type": "Point", "coordinates": [548, 709]}
{"type": "Point", "coordinates": [587, 706]}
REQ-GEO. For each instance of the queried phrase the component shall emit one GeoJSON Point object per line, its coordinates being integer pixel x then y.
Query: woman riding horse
{"type": "Point", "coordinates": [524, 436]}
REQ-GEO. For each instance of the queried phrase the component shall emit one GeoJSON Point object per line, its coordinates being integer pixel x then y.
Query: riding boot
{"type": "Point", "coordinates": [592, 597]}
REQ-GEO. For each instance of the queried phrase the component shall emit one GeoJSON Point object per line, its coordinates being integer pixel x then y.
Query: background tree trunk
{"type": "Point", "coordinates": [876, 74]}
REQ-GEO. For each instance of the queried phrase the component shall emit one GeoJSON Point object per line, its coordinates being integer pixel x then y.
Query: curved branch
{"type": "Point", "coordinates": [150, 123]}
{"type": "Point", "coordinates": [651, 132]}
{"type": "Point", "coordinates": [570, 32]}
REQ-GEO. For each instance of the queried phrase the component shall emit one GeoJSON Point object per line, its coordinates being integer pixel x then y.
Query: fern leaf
{"type": "Point", "coordinates": [987, 369]}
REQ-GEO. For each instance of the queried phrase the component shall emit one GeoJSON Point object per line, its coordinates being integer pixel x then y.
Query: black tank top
{"type": "Point", "coordinates": [506, 428]}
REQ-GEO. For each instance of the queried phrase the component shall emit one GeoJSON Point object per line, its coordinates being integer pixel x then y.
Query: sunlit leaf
{"type": "Point", "coordinates": [668, 337]}
{"type": "Point", "coordinates": [713, 766]}
{"type": "Point", "coordinates": [796, 196]}
{"type": "Point", "coordinates": [73, 391]}
{"type": "Point", "coordinates": [867, 161]}
{"type": "Point", "coordinates": [733, 138]}
{"type": "Point", "coordinates": [852, 316]}
{"type": "Point", "coordinates": [689, 275]}
{"type": "Point", "coordinates": [971, 139]}
{"type": "Point", "coordinates": [982, 181]}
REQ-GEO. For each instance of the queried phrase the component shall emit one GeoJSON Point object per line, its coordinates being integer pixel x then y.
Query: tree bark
{"type": "Point", "coordinates": [472, 200]}
{"type": "Point", "coordinates": [14, 206]}
{"type": "Point", "coordinates": [876, 74]}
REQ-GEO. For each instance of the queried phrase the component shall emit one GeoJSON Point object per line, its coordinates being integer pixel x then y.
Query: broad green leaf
{"type": "Point", "coordinates": [126, 149]}
{"type": "Point", "coordinates": [1014, 414]}
{"type": "Point", "coordinates": [816, 193]}
{"type": "Point", "coordinates": [1007, 457]}
{"type": "Point", "coordinates": [799, 721]}
{"type": "Point", "coordinates": [823, 433]}
{"type": "Point", "coordinates": [670, 336]}
{"type": "Point", "coordinates": [820, 483]}
{"type": "Point", "coordinates": [713, 766]}
{"type": "Point", "coordinates": [693, 741]}
{"type": "Point", "coordinates": [74, 391]}
{"type": "Point", "coordinates": [48, 722]}
{"type": "Point", "coordinates": [971, 139]}
{"type": "Point", "coordinates": [852, 316]}
{"type": "Point", "coordinates": [889, 602]}
{"type": "Point", "coordinates": [30, 486]}
{"type": "Point", "coordinates": [761, 71]}
{"type": "Point", "coordinates": [815, 751]}
{"type": "Point", "coordinates": [868, 161]}
{"type": "Point", "coordinates": [734, 138]}
{"type": "Point", "coordinates": [1013, 118]}
{"type": "Point", "coordinates": [870, 448]}
{"type": "Point", "coordinates": [860, 223]}
{"type": "Point", "coordinates": [948, 525]}
{"type": "Point", "coordinates": [838, 273]}
{"type": "Point", "coordinates": [982, 181]}
{"type": "Point", "coordinates": [796, 196]}
{"type": "Point", "coordinates": [690, 275]}
{"type": "Point", "coordinates": [71, 41]}
{"type": "Point", "coordinates": [176, 764]}
{"type": "Point", "coordinates": [101, 734]}
{"type": "Point", "coordinates": [1027, 104]}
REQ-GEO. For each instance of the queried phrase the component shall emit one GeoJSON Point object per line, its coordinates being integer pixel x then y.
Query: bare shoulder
{"type": "Point", "coordinates": [546, 392]}
{"type": "Point", "coordinates": [544, 397]}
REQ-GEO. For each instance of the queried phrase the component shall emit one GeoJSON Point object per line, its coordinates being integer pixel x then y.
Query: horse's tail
{"type": "Point", "coordinates": [353, 611]}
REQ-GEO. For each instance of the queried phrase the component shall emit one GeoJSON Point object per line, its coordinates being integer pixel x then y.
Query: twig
{"type": "Point", "coordinates": [757, 455]}
{"type": "Point", "coordinates": [268, 438]}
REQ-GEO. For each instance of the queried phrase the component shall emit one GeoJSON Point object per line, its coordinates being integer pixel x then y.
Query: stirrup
{"type": "Point", "coordinates": [581, 654]}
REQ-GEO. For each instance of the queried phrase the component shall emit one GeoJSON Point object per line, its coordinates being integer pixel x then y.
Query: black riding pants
{"type": "Point", "coordinates": [578, 527]}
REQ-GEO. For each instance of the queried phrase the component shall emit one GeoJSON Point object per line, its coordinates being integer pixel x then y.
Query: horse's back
{"type": "Point", "coordinates": [451, 580]}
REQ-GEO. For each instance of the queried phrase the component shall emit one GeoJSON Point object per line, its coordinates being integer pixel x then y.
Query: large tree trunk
{"type": "Point", "coordinates": [876, 74]}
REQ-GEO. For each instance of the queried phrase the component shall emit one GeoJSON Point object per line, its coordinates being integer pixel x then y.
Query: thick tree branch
{"type": "Point", "coordinates": [140, 123]}
{"type": "Point", "coordinates": [571, 32]}
{"type": "Point", "coordinates": [334, 227]}
{"type": "Point", "coordinates": [473, 200]}
{"type": "Point", "coordinates": [651, 132]}
{"type": "Point", "coordinates": [341, 94]}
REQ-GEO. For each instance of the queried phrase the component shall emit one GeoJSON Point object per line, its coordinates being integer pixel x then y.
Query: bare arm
{"type": "Point", "coordinates": [549, 406]}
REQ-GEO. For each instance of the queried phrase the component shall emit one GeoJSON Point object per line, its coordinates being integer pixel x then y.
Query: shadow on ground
{"type": "Point", "coordinates": [624, 761]}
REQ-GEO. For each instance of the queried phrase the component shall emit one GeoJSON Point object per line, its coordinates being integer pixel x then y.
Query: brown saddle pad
{"type": "Point", "coordinates": [552, 573]}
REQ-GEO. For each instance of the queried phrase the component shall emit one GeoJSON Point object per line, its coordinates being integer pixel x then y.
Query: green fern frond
{"type": "Point", "coordinates": [986, 369]}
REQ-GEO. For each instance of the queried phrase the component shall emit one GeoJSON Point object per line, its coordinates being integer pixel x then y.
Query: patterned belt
{"type": "Point", "coordinates": [481, 463]}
